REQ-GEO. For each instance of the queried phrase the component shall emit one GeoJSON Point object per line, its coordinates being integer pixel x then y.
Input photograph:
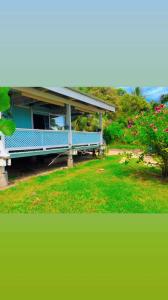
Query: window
{"type": "Point", "coordinates": [40, 121]}
{"type": "Point", "coordinates": [57, 122]}
{"type": "Point", "coordinates": [48, 122]}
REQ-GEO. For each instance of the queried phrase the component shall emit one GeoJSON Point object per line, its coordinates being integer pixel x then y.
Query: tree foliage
{"type": "Point", "coordinates": [133, 104]}
{"type": "Point", "coordinates": [137, 91]}
{"type": "Point", "coordinates": [4, 99]}
{"type": "Point", "coordinates": [7, 126]}
{"type": "Point", "coordinates": [114, 132]}
{"type": "Point", "coordinates": [86, 122]}
{"type": "Point", "coordinates": [164, 99]}
{"type": "Point", "coordinates": [127, 105]}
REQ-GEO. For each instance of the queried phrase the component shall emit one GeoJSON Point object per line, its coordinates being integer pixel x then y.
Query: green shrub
{"type": "Point", "coordinates": [114, 132]}
{"type": "Point", "coordinates": [128, 138]}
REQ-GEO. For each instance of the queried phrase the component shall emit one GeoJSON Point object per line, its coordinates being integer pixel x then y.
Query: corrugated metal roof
{"type": "Point", "coordinates": [87, 99]}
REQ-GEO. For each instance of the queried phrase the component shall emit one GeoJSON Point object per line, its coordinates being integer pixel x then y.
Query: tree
{"type": "Point", "coordinates": [7, 126]}
{"type": "Point", "coordinates": [164, 99]}
{"type": "Point", "coordinates": [121, 92]}
{"type": "Point", "coordinates": [107, 94]}
{"type": "Point", "coordinates": [88, 122]}
{"type": "Point", "coordinates": [127, 106]}
{"type": "Point", "coordinates": [137, 91]}
{"type": "Point", "coordinates": [151, 129]}
{"type": "Point", "coordinates": [133, 104]}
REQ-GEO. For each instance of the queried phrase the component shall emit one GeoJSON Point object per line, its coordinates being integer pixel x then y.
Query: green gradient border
{"type": "Point", "coordinates": [80, 223]}
{"type": "Point", "coordinates": [83, 256]}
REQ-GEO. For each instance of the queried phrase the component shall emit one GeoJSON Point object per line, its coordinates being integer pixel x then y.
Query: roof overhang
{"type": "Point", "coordinates": [61, 96]}
{"type": "Point", "coordinates": [89, 100]}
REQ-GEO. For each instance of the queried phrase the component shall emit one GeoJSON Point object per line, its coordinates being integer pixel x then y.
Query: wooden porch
{"type": "Point", "coordinates": [29, 142]}
{"type": "Point", "coordinates": [35, 112]}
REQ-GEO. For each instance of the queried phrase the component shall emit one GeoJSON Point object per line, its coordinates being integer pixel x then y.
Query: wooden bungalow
{"type": "Point", "coordinates": [43, 118]}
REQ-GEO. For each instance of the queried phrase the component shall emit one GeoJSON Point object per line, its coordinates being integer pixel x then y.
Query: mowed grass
{"type": "Point", "coordinates": [117, 145]}
{"type": "Point", "coordinates": [97, 186]}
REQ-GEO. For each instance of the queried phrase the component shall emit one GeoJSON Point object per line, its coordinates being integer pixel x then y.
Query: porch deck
{"type": "Point", "coordinates": [27, 142]}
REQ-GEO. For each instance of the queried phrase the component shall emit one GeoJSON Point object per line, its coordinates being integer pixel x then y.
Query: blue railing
{"type": "Point", "coordinates": [36, 139]}
{"type": "Point", "coordinates": [24, 139]}
{"type": "Point", "coordinates": [85, 138]}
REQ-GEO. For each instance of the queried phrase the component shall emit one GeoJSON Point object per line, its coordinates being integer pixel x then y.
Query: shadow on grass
{"type": "Point", "coordinates": [23, 168]}
{"type": "Point", "coordinates": [135, 170]}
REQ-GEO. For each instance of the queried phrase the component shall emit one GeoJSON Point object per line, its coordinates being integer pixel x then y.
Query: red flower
{"type": "Point", "coordinates": [129, 125]}
{"type": "Point", "coordinates": [157, 109]}
{"type": "Point", "coordinates": [166, 130]}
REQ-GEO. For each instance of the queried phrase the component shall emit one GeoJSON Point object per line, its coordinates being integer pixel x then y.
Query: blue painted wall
{"type": "Point", "coordinates": [22, 117]}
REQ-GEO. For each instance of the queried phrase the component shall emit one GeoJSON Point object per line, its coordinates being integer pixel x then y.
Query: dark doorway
{"type": "Point", "coordinates": [40, 121]}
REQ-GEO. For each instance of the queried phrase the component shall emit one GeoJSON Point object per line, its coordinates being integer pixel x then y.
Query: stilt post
{"type": "Point", "coordinates": [101, 133]}
{"type": "Point", "coordinates": [69, 126]}
{"type": "Point", "coordinates": [101, 127]}
{"type": "Point", "coordinates": [4, 160]}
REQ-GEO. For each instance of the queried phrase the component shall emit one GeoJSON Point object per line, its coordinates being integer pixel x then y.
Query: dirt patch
{"type": "Point", "coordinates": [122, 151]}
{"type": "Point", "coordinates": [148, 159]}
{"type": "Point", "coordinates": [100, 170]}
{"type": "Point", "coordinates": [36, 202]}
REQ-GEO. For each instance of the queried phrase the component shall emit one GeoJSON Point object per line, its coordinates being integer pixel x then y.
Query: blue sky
{"type": "Point", "coordinates": [150, 93]}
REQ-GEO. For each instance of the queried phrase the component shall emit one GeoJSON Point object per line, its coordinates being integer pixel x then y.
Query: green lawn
{"type": "Point", "coordinates": [117, 145]}
{"type": "Point", "coordinates": [94, 186]}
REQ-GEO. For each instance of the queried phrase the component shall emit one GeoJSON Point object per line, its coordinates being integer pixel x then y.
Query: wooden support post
{"type": "Point", "coordinates": [101, 148]}
{"type": "Point", "coordinates": [94, 153]}
{"type": "Point", "coordinates": [70, 159]}
{"type": "Point", "coordinates": [101, 128]}
{"type": "Point", "coordinates": [69, 126]}
{"type": "Point", "coordinates": [101, 134]}
{"type": "Point", "coordinates": [3, 177]}
{"type": "Point", "coordinates": [3, 161]}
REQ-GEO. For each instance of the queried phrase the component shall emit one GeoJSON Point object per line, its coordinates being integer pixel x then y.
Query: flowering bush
{"type": "Point", "coordinates": [151, 129]}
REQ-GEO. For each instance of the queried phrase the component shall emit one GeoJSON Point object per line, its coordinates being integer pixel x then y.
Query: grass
{"type": "Point", "coordinates": [117, 145]}
{"type": "Point", "coordinates": [90, 187]}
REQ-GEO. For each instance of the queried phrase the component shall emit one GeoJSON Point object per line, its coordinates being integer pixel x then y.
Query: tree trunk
{"type": "Point", "coordinates": [165, 169]}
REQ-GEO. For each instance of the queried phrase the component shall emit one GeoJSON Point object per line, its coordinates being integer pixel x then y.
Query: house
{"type": "Point", "coordinates": [43, 118]}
